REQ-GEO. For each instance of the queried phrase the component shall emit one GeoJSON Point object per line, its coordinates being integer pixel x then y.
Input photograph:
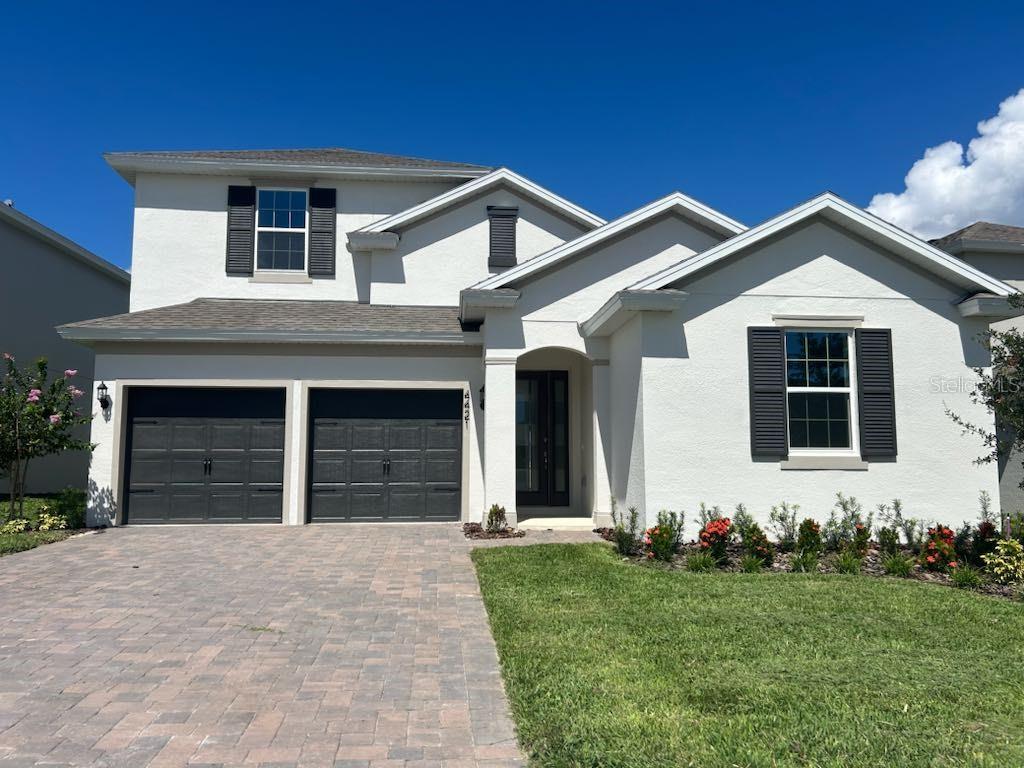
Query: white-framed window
{"type": "Point", "coordinates": [820, 391]}
{"type": "Point", "coordinates": [282, 229]}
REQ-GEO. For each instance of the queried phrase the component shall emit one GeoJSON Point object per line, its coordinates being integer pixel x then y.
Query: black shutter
{"type": "Point", "coordinates": [322, 218]}
{"type": "Point", "coordinates": [503, 235]}
{"type": "Point", "coordinates": [767, 371]}
{"type": "Point", "coordinates": [241, 225]}
{"type": "Point", "coordinates": [875, 393]}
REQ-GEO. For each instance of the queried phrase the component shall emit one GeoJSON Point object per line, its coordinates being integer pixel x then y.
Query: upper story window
{"type": "Point", "coordinates": [281, 229]}
{"type": "Point", "coordinates": [819, 389]}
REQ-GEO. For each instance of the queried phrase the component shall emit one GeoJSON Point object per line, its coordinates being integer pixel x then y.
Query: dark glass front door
{"type": "Point", "coordinates": [542, 438]}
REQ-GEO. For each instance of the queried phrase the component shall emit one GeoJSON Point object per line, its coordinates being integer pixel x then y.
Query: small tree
{"type": "Point", "coordinates": [36, 419]}
{"type": "Point", "coordinates": [999, 389]}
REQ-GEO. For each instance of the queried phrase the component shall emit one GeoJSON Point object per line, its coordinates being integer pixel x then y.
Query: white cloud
{"type": "Point", "coordinates": [946, 190]}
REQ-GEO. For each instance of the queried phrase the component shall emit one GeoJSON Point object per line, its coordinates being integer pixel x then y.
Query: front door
{"type": "Point", "coordinates": [542, 438]}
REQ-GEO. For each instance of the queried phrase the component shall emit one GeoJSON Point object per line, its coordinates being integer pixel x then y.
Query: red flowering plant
{"type": "Point", "coordinates": [939, 553]}
{"type": "Point", "coordinates": [662, 541]}
{"type": "Point", "coordinates": [714, 538]}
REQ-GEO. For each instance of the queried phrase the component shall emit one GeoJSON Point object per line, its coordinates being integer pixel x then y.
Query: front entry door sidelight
{"type": "Point", "coordinates": [542, 438]}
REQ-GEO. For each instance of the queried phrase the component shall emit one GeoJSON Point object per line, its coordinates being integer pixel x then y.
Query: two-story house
{"type": "Point", "coordinates": [330, 335]}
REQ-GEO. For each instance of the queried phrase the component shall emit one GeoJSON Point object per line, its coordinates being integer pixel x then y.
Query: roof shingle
{"type": "Point", "coordinates": [282, 320]}
{"type": "Point", "coordinates": [982, 230]}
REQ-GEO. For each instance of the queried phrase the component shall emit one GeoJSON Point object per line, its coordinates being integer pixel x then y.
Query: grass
{"type": "Point", "coordinates": [610, 664]}
{"type": "Point", "coordinates": [19, 542]}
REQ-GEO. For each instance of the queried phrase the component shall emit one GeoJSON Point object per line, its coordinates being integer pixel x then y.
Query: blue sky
{"type": "Point", "coordinates": [748, 107]}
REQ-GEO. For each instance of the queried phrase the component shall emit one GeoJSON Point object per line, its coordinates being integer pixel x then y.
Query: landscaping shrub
{"type": "Point", "coordinates": [715, 537]}
{"type": "Point", "coordinates": [496, 520]}
{"type": "Point", "coordinates": [18, 525]}
{"type": "Point", "coordinates": [706, 514]}
{"type": "Point", "coordinates": [848, 562]}
{"type": "Point", "coordinates": [846, 527]}
{"type": "Point", "coordinates": [808, 538]}
{"type": "Point", "coordinates": [662, 541]}
{"type": "Point", "coordinates": [700, 562]}
{"type": "Point", "coordinates": [783, 524]}
{"type": "Point", "coordinates": [70, 504]}
{"type": "Point", "coordinates": [804, 562]}
{"type": "Point", "coordinates": [742, 521]}
{"type": "Point", "coordinates": [898, 565]}
{"type": "Point", "coordinates": [1006, 564]}
{"type": "Point", "coordinates": [889, 540]}
{"type": "Point", "coordinates": [911, 528]}
{"type": "Point", "coordinates": [966, 577]}
{"type": "Point", "coordinates": [626, 534]}
{"type": "Point", "coordinates": [51, 522]}
{"type": "Point", "coordinates": [939, 553]}
{"type": "Point", "coordinates": [751, 564]}
{"type": "Point", "coordinates": [755, 544]}
{"type": "Point", "coordinates": [983, 542]}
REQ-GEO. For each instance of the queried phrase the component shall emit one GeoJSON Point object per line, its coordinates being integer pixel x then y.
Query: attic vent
{"type": "Point", "coordinates": [503, 235]}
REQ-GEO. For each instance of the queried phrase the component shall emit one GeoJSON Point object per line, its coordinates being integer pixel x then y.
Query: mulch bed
{"type": "Point", "coordinates": [477, 531]}
{"type": "Point", "coordinates": [871, 565]}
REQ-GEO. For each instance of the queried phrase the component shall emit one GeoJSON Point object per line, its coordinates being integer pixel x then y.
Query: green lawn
{"type": "Point", "coordinates": [611, 664]}
{"type": "Point", "coordinates": [19, 542]}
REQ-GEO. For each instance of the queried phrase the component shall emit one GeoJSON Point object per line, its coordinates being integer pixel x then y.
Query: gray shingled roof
{"type": "Point", "coordinates": [275, 320]}
{"type": "Point", "coordinates": [334, 156]}
{"type": "Point", "coordinates": [983, 230]}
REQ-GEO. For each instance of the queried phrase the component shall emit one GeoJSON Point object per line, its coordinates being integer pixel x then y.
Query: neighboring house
{"type": "Point", "coordinates": [998, 249]}
{"type": "Point", "coordinates": [49, 280]}
{"type": "Point", "coordinates": [329, 335]}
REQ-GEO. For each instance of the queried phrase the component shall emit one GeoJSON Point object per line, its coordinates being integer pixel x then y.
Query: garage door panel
{"type": "Point", "coordinates": [443, 436]}
{"type": "Point", "coordinates": [202, 451]}
{"type": "Point", "coordinates": [267, 435]}
{"type": "Point", "coordinates": [188, 435]}
{"type": "Point", "coordinates": [385, 455]}
{"type": "Point", "coordinates": [439, 469]}
{"type": "Point", "coordinates": [268, 470]}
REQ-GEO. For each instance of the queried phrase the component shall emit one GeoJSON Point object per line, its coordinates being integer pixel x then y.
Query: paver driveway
{"type": "Point", "coordinates": [344, 645]}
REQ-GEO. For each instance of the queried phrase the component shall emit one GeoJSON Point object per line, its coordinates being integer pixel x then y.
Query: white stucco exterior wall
{"type": "Point", "coordinates": [695, 384]}
{"type": "Point", "coordinates": [437, 258]}
{"type": "Point", "coordinates": [180, 237]}
{"type": "Point", "coordinates": [297, 371]}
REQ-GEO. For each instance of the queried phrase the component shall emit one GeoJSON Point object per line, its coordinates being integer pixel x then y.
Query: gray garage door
{"type": "Point", "coordinates": [379, 455]}
{"type": "Point", "coordinates": [200, 455]}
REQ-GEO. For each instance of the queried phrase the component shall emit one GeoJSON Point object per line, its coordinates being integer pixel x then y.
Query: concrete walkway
{"type": "Point", "coordinates": [343, 645]}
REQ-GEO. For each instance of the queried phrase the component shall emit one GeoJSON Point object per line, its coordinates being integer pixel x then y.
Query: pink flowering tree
{"type": "Point", "coordinates": [37, 418]}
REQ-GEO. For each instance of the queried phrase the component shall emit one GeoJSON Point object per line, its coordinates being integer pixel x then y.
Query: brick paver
{"type": "Point", "coordinates": [344, 645]}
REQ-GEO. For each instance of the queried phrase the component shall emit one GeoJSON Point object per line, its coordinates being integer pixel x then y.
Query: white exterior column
{"type": "Point", "coordinates": [500, 435]}
{"type": "Point", "coordinates": [294, 494]}
{"type": "Point", "coordinates": [601, 397]}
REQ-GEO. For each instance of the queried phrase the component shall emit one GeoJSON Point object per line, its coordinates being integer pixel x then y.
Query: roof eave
{"type": "Point", "coordinates": [984, 305]}
{"type": "Point", "coordinates": [625, 305]}
{"type": "Point", "coordinates": [956, 247]}
{"type": "Point", "coordinates": [129, 166]}
{"type": "Point", "coordinates": [474, 303]}
{"type": "Point", "coordinates": [87, 336]}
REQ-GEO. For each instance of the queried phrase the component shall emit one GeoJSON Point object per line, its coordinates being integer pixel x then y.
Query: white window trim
{"type": "Point", "coordinates": [292, 230]}
{"type": "Point", "coordinates": [808, 453]}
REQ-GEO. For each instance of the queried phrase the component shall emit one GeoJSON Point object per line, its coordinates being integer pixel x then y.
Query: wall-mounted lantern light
{"type": "Point", "coordinates": [102, 397]}
{"type": "Point", "coordinates": [481, 398]}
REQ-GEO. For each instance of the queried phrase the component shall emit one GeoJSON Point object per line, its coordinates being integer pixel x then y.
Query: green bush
{"type": "Point", "coordinates": [846, 527]}
{"type": "Point", "coordinates": [804, 562]}
{"type": "Point", "coordinates": [889, 540]}
{"type": "Point", "coordinates": [808, 538]}
{"type": "Point", "coordinates": [17, 525]}
{"type": "Point", "coordinates": [848, 562]}
{"type": "Point", "coordinates": [496, 520]}
{"type": "Point", "coordinates": [626, 534]}
{"type": "Point", "coordinates": [662, 541]}
{"type": "Point", "coordinates": [751, 564]}
{"type": "Point", "coordinates": [1006, 564]}
{"type": "Point", "coordinates": [756, 544]}
{"type": "Point", "coordinates": [70, 504]}
{"type": "Point", "coordinates": [783, 524]}
{"type": "Point", "coordinates": [701, 562]}
{"type": "Point", "coordinates": [898, 565]}
{"type": "Point", "coordinates": [742, 521]}
{"type": "Point", "coordinates": [51, 522]}
{"type": "Point", "coordinates": [911, 528]}
{"type": "Point", "coordinates": [966, 577]}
